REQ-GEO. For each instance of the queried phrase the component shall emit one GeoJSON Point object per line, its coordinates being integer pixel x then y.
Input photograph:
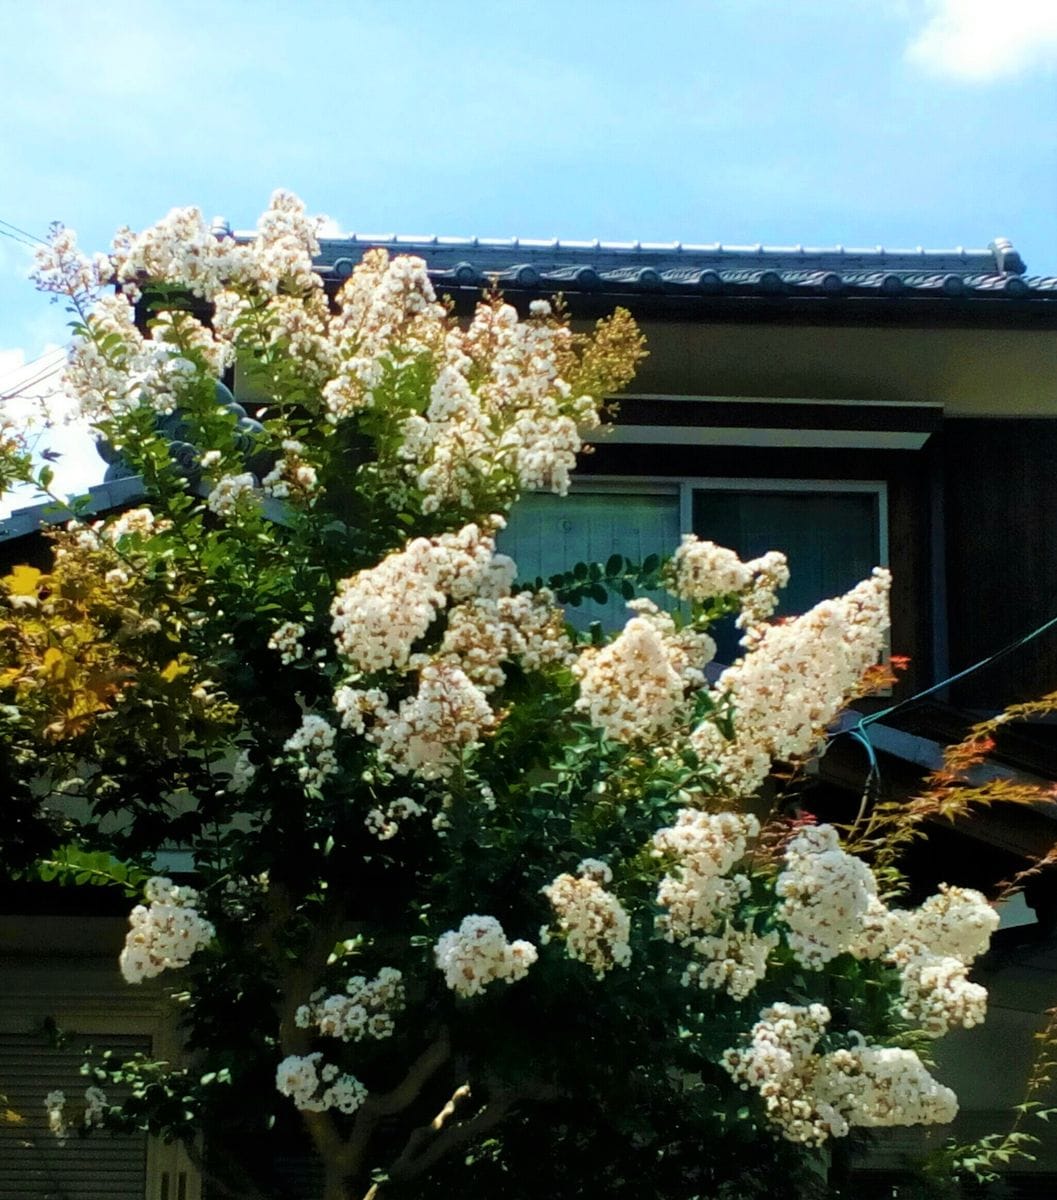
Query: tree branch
{"type": "Point", "coordinates": [401, 1097]}
{"type": "Point", "coordinates": [429, 1143]}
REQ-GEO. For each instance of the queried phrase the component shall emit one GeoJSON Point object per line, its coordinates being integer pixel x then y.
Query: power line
{"type": "Point", "coordinates": [24, 232]}
{"type": "Point", "coordinates": [20, 240]}
{"type": "Point", "coordinates": [26, 385]}
{"type": "Point", "coordinates": [32, 361]}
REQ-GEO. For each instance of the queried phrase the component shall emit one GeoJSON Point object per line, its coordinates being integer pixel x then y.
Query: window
{"type": "Point", "coordinates": [833, 531]}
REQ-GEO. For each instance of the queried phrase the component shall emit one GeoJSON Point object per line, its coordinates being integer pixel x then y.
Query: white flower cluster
{"type": "Point", "coordinates": [62, 269]}
{"type": "Point", "coordinates": [55, 1104]}
{"type": "Point", "coordinates": [810, 1097]}
{"type": "Point", "coordinates": [937, 994]}
{"type": "Point", "coordinates": [431, 730]}
{"type": "Point", "coordinates": [793, 681]}
{"type": "Point", "coordinates": [385, 303]}
{"type": "Point", "coordinates": [242, 772]}
{"type": "Point", "coordinates": [182, 250]}
{"type": "Point", "coordinates": [314, 742]}
{"type": "Point", "coordinates": [353, 704]}
{"type": "Point", "coordinates": [285, 245]}
{"type": "Point", "coordinates": [316, 1088]}
{"type": "Point", "coordinates": [478, 953]}
{"type": "Point", "coordinates": [379, 613]}
{"type": "Point", "coordinates": [874, 1086]}
{"type": "Point", "coordinates": [384, 823]}
{"type": "Point", "coordinates": [164, 933]}
{"type": "Point", "coordinates": [701, 571]}
{"type": "Point", "coordinates": [485, 631]}
{"type": "Point", "coordinates": [956, 923]}
{"type": "Point", "coordinates": [291, 476]}
{"type": "Point", "coordinates": [932, 948]}
{"type": "Point", "coordinates": [95, 1104]}
{"type": "Point", "coordinates": [634, 687]}
{"type": "Point", "coordinates": [115, 368]}
{"type": "Point", "coordinates": [590, 919]}
{"type": "Point", "coordinates": [287, 641]}
{"type": "Point", "coordinates": [700, 892]}
{"type": "Point", "coordinates": [229, 491]}
{"type": "Point", "coordinates": [364, 1009]}
{"type": "Point", "coordinates": [135, 522]}
{"type": "Point", "coordinates": [499, 403]}
{"type": "Point", "coordinates": [824, 895]}
{"type": "Point", "coordinates": [734, 960]}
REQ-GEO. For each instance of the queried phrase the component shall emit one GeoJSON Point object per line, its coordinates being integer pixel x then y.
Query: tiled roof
{"type": "Point", "coordinates": [701, 269]}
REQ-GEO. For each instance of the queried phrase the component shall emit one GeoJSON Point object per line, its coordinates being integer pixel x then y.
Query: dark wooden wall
{"type": "Point", "coordinates": [1001, 534]}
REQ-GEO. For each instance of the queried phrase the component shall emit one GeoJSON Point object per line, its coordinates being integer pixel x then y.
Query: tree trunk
{"type": "Point", "coordinates": [336, 1183]}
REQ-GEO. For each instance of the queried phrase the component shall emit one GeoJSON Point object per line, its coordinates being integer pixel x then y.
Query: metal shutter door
{"type": "Point", "coordinates": [34, 1165]}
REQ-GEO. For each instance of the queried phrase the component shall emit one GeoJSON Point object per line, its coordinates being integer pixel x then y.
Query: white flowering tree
{"type": "Point", "coordinates": [477, 901]}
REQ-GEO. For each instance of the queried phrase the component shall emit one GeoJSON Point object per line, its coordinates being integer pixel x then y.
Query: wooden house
{"type": "Point", "coordinates": [849, 406]}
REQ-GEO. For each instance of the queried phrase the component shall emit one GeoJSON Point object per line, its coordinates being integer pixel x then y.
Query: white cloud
{"type": "Point", "coordinates": [980, 40]}
{"type": "Point", "coordinates": [28, 390]}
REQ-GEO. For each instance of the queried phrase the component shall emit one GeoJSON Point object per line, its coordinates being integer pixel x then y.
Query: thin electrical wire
{"type": "Point", "coordinates": [29, 384]}
{"type": "Point", "coordinates": [15, 238]}
{"type": "Point", "coordinates": [859, 730]}
{"type": "Point", "coordinates": [32, 361]}
{"type": "Point", "coordinates": [24, 232]}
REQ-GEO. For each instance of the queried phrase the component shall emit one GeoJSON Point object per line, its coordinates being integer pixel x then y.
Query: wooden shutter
{"type": "Point", "coordinates": [34, 1164]}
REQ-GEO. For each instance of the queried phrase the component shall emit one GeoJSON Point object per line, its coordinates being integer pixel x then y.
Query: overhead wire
{"type": "Point", "coordinates": [24, 232]}
{"type": "Point", "coordinates": [858, 731]}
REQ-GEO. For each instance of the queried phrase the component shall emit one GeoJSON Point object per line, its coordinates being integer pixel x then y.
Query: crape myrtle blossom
{"type": "Point", "coordinates": [313, 743]}
{"type": "Point", "coordinates": [165, 933]}
{"type": "Point", "coordinates": [591, 920]}
{"type": "Point", "coordinates": [734, 960]}
{"type": "Point", "coordinates": [699, 892]}
{"type": "Point", "coordinates": [385, 823]}
{"type": "Point", "coordinates": [286, 640]}
{"type": "Point", "coordinates": [499, 404]}
{"type": "Point", "coordinates": [379, 613]}
{"type": "Point", "coordinates": [478, 953]}
{"type": "Point", "coordinates": [811, 1097]}
{"type": "Point", "coordinates": [484, 632]}
{"type": "Point", "coordinates": [364, 1009]}
{"type": "Point", "coordinates": [388, 319]}
{"type": "Point", "coordinates": [434, 727]}
{"type": "Point", "coordinates": [182, 250]}
{"type": "Point", "coordinates": [824, 895]}
{"type": "Point", "coordinates": [700, 571]}
{"type": "Point", "coordinates": [793, 681]}
{"type": "Point", "coordinates": [315, 1086]}
{"type": "Point", "coordinates": [932, 947]}
{"type": "Point", "coordinates": [231, 491]}
{"type": "Point", "coordinates": [634, 687]}
{"type": "Point", "coordinates": [291, 477]}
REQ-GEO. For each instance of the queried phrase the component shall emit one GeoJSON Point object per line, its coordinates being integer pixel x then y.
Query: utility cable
{"type": "Point", "coordinates": [24, 232]}
{"type": "Point", "coordinates": [858, 730]}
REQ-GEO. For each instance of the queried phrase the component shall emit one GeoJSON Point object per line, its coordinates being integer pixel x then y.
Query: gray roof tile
{"type": "Point", "coordinates": [996, 271]}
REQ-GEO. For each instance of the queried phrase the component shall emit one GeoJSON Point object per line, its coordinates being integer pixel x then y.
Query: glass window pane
{"type": "Point", "coordinates": [830, 538]}
{"type": "Point", "coordinates": [547, 534]}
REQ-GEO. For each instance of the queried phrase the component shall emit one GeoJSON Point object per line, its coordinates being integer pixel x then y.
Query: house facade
{"type": "Point", "coordinates": [851, 407]}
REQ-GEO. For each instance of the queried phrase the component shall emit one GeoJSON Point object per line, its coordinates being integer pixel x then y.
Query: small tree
{"type": "Point", "coordinates": [475, 896]}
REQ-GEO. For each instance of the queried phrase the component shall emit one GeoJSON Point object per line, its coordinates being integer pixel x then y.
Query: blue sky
{"type": "Point", "coordinates": [861, 122]}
